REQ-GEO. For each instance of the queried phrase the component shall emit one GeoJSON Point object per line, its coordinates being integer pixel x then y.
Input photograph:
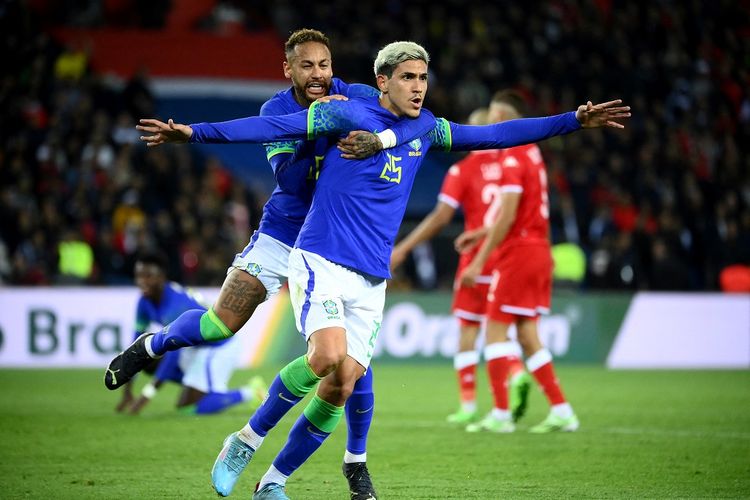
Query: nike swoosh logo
{"type": "Point", "coordinates": [364, 411]}
{"type": "Point", "coordinates": [281, 396]}
{"type": "Point", "coordinates": [114, 377]}
{"type": "Point", "coordinates": [314, 432]}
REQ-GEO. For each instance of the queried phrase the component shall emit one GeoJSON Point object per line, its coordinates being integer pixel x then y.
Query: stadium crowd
{"type": "Point", "coordinates": [664, 205]}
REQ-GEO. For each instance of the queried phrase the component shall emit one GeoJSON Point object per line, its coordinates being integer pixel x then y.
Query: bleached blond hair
{"type": "Point", "coordinates": [395, 53]}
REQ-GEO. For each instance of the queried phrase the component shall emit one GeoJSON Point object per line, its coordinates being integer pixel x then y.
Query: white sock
{"type": "Point", "coordinates": [250, 437]}
{"type": "Point", "coordinates": [149, 349]}
{"type": "Point", "coordinates": [351, 458]}
{"type": "Point", "coordinates": [563, 410]}
{"type": "Point", "coordinates": [469, 406]}
{"type": "Point", "coordinates": [499, 414]}
{"type": "Point", "coordinates": [272, 476]}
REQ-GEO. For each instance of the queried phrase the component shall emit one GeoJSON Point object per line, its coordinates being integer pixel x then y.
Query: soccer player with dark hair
{"type": "Point", "coordinates": [204, 371]}
{"type": "Point", "coordinates": [260, 270]}
{"type": "Point", "coordinates": [340, 262]}
{"type": "Point", "coordinates": [517, 245]}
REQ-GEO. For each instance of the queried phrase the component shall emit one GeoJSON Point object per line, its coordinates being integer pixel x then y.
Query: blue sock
{"type": "Point", "coordinates": [304, 440]}
{"type": "Point", "coordinates": [214, 402]}
{"type": "Point", "coordinates": [182, 332]}
{"type": "Point", "coordinates": [280, 400]}
{"type": "Point", "coordinates": [193, 327]}
{"type": "Point", "coordinates": [308, 433]}
{"type": "Point", "coordinates": [359, 410]}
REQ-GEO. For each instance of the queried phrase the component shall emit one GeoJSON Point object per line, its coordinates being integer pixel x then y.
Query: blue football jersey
{"type": "Point", "coordinates": [285, 212]}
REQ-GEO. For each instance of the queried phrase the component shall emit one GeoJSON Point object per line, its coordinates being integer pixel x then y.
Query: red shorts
{"type": "Point", "coordinates": [521, 284]}
{"type": "Point", "coordinates": [470, 303]}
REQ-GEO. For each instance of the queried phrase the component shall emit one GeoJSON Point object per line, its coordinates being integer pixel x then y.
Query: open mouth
{"type": "Point", "coordinates": [316, 88]}
{"type": "Point", "coordinates": [416, 101]}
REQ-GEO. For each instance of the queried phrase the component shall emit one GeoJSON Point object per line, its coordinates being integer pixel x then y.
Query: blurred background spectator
{"type": "Point", "coordinates": [663, 205]}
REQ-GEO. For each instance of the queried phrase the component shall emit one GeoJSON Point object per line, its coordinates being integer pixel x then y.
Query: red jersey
{"type": "Point", "coordinates": [524, 172]}
{"type": "Point", "coordinates": [474, 185]}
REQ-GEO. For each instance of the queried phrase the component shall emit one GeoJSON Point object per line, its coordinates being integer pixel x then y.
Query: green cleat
{"type": "Point", "coordinates": [491, 424]}
{"type": "Point", "coordinates": [462, 417]}
{"type": "Point", "coordinates": [520, 384]}
{"type": "Point", "coordinates": [553, 423]}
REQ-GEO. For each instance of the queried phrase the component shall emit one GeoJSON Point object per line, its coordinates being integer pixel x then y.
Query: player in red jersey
{"type": "Point", "coordinates": [522, 280]}
{"type": "Point", "coordinates": [473, 185]}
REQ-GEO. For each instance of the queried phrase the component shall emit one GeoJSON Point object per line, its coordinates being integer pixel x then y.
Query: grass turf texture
{"type": "Point", "coordinates": [650, 434]}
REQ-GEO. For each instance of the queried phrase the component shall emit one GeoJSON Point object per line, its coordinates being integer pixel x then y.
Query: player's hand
{"type": "Point", "coordinates": [138, 405]}
{"type": "Point", "coordinates": [332, 97]}
{"type": "Point", "coordinates": [602, 115]}
{"type": "Point", "coordinates": [359, 144]}
{"type": "Point", "coordinates": [397, 258]}
{"type": "Point", "coordinates": [469, 275]}
{"type": "Point", "coordinates": [163, 133]}
{"type": "Point", "coordinates": [468, 240]}
{"type": "Point", "coordinates": [127, 399]}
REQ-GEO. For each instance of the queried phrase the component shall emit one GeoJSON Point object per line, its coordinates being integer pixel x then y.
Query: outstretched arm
{"type": "Point", "coordinates": [454, 137]}
{"type": "Point", "coordinates": [321, 119]}
{"type": "Point", "coordinates": [250, 129]}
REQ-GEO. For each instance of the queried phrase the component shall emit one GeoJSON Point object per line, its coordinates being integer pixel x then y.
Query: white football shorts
{"type": "Point", "coordinates": [325, 294]}
{"type": "Point", "coordinates": [267, 259]}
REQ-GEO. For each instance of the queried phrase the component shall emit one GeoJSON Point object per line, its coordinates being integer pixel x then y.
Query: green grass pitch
{"type": "Point", "coordinates": [644, 434]}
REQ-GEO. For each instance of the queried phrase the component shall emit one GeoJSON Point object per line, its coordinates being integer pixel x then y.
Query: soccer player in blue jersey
{"type": "Point", "coordinates": [340, 262]}
{"type": "Point", "coordinates": [260, 270]}
{"type": "Point", "coordinates": [202, 371]}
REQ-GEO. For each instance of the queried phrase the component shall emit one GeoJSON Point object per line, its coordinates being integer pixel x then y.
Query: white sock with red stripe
{"type": "Point", "coordinates": [499, 357]}
{"type": "Point", "coordinates": [541, 367]}
{"type": "Point", "coordinates": [465, 364]}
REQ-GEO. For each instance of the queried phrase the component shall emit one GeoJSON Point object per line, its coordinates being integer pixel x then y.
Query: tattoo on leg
{"type": "Point", "coordinates": [241, 297]}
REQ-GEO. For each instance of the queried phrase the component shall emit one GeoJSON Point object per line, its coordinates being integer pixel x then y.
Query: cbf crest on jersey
{"type": "Point", "coordinates": [331, 307]}
{"type": "Point", "coordinates": [416, 145]}
{"type": "Point", "coordinates": [254, 269]}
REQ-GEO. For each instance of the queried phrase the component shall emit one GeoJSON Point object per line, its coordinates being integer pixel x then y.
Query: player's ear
{"type": "Point", "coordinates": [287, 70]}
{"type": "Point", "coordinates": [382, 82]}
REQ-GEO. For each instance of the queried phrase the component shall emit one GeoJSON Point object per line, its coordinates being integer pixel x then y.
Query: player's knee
{"type": "Point", "coordinates": [347, 389]}
{"type": "Point", "coordinates": [529, 341]}
{"type": "Point", "coordinates": [335, 390]}
{"type": "Point", "coordinates": [325, 360]}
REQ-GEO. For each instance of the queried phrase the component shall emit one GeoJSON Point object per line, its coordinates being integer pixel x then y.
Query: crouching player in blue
{"type": "Point", "coordinates": [340, 262]}
{"type": "Point", "coordinates": [204, 372]}
{"type": "Point", "coordinates": [260, 270]}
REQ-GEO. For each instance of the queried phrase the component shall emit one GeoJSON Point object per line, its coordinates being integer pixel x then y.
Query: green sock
{"type": "Point", "coordinates": [299, 377]}
{"type": "Point", "coordinates": [323, 414]}
{"type": "Point", "coordinates": [213, 328]}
